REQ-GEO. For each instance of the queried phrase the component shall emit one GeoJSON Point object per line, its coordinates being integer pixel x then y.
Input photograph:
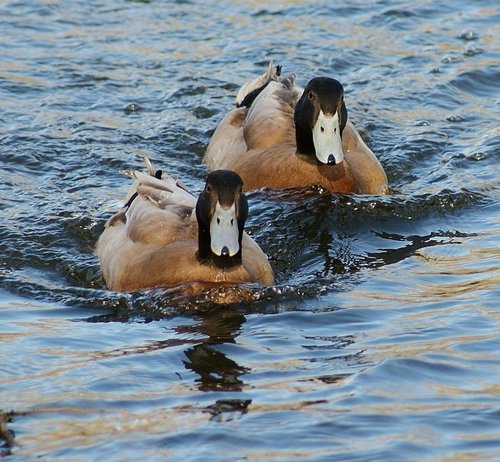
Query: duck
{"type": "Point", "coordinates": [166, 237]}
{"type": "Point", "coordinates": [282, 136]}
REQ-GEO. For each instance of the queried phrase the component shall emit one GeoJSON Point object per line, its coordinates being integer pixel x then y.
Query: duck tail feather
{"type": "Point", "coordinates": [163, 192]}
{"type": "Point", "coordinates": [250, 90]}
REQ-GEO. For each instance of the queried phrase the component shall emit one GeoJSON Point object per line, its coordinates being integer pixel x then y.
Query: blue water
{"type": "Point", "coordinates": [381, 339]}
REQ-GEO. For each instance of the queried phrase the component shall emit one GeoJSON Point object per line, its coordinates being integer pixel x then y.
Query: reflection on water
{"type": "Point", "coordinates": [380, 340]}
{"type": "Point", "coordinates": [7, 436]}
{"type": "Point", "coordinates": [216, 370]}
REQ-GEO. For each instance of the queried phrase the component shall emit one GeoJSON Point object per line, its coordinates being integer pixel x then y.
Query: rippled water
{"type": "Point", "coordinates": [381, 339]}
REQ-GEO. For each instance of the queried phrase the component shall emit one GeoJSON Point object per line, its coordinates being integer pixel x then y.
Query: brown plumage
{"type": "Point", "coordinates": [282, 137]}
{"type": "Point", "coordinates": [165, 237]}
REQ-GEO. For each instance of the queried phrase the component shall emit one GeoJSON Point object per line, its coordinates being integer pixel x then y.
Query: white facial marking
{"type": "Point", "coordinates": [326, 139]}
{"type": "Point", "coordinates": [224, 230]}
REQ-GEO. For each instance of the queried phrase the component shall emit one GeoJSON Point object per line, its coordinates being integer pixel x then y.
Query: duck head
{"type": "Point", "coordinates": [320, 118]}
{"type": "Point", "coordinates": [221, 211]}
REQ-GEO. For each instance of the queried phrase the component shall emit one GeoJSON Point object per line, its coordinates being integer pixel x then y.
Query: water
{"type": "Point", "coordinates": [381, 339]}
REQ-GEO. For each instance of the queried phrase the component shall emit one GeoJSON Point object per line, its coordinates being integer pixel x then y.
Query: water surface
{"type": "Point", "coordinates": [381, 338]}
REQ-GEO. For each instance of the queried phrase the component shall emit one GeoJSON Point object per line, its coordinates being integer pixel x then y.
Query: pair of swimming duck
{"type": "Point", "coordinates": [279, 136]}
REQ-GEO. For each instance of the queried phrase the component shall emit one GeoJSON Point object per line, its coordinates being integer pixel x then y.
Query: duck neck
{"type": "Point", "coordinates": [304, 141]}
{"type": "Point", "coordinates": [205, 256]}
{"type": "Point", "coordinates": [303, 134]}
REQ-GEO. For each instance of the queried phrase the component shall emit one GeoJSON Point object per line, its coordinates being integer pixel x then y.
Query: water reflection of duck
{"type": "Point", "coordinates": [282, 136]}
{"type": "Point", "coordinates": [165, 237]}
{"type": "Point", "coordinates": [216, 371]}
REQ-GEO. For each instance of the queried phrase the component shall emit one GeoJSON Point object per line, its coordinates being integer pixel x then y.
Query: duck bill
{"type": "Point", "coordinates": [224, 231]}
{"type": "Point", "coordinates": [327, 139]}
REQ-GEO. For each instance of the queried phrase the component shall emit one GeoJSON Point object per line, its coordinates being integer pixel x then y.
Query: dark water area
{"type": "Point", "coordinates": [380, 340]}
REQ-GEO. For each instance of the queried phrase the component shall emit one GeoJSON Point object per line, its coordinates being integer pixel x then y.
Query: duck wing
{"type": "Point", "coordinates": [162, 211]}
{"type": "Point", "coordinates": [229, 140]}
{"type": "Point", "coordinates": [269, 121]}
{"type": "Point", "coordinates": [158, 211]}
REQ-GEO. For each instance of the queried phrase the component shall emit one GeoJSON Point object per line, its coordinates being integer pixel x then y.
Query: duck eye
{"type": "Point", "coordinates": [322, 129]}
{"type": "Point", "coordinates": [208, 188]}
{"type": "Point", "coordinates": [310, 95]}
{"type": "Point", "coordinates": [218, 220]}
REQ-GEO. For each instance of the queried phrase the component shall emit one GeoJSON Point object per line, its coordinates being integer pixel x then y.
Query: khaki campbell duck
{"type": "Point", "coordinates": [282, 136]}
{"type": "Point", "coordinates": [165, 237]}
